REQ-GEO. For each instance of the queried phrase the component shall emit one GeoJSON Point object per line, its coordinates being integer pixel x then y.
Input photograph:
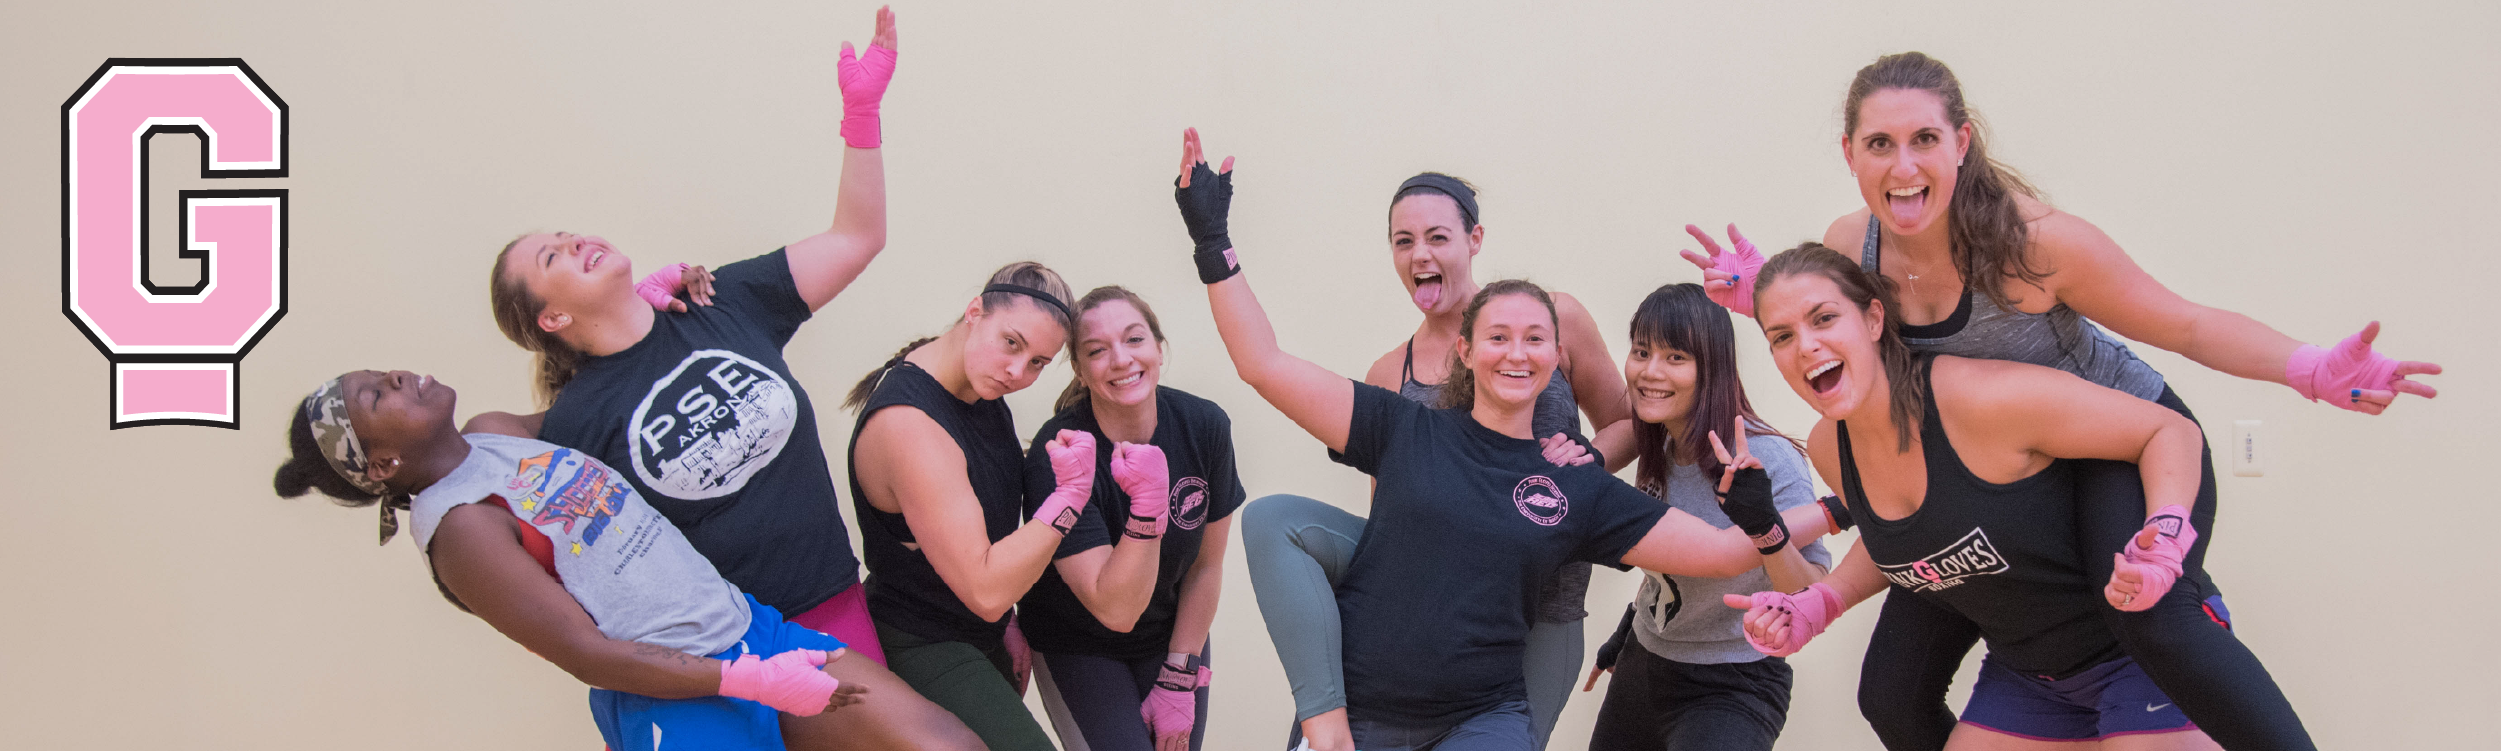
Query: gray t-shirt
{"type": "Point", "coordinates": [1681, 618]}
{"type": "Point", "coordinates": [629, 568]}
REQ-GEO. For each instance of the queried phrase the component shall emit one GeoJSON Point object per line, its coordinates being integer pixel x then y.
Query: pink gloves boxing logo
{"type": "Point", "coordinates": [2151, 561]}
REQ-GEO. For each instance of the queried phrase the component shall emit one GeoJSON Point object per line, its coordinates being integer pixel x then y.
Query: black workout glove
{"type": "Point", "coordinates": [1614, 648]}
{"type": "Point", "coordinates": [1836, 512]}
{"type": "Point", "coordinates": [1204, 205]}
{"type": "Point", "coordinates": [1748, 503]}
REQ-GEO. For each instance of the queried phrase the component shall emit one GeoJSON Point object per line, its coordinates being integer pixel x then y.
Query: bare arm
{"type": "Point", "coordinates": [506, 423]}
{"type": "Point", "coordinates": [1685, 545]}
{"type": "Point", "coordinates": [1596, 383]}
{"type": "Point", "coordinates": [909, 463]}
{"type": "Point", "coordinates": [477, 553]}
{"type": "Point", "coordinates": [1323, 403]}
{"type": "Point", "coordinates": [2095, 277]}
{"type": "Point", "coordinates": [1200, 589]}
{"type": "Point", "coordinates": [1115, 582]}
{"type": "Point", "coordinates": [2057, 415]}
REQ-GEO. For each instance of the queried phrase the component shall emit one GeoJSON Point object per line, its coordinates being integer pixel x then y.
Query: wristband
{"type": "Point", "coordinates": [1217, 266]}
{"type": "Point", "coordinates": [1143, 527]}
{"type": "Point", "coordinates": [1748, 504]}
{"type": "Point", "coordinates": [1836, 513]}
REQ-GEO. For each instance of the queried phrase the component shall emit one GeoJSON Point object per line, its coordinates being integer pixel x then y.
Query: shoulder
{"type": "Point", "coordinates": [1821, 448]}
{"type": "Point", "coordinates": [1774, 448]}
{"type": "Point", "coordinates": [1384, 371]}
{"type": "Point", "coordinates": [1847, 233]}
{"type": "Point", "coordinates": [1569, 310]}
{"type": "Point", "coordinates": [1197, 411]}
{"type": "Point", "coordinates": [2059, 239]}
{"type": "Point", "coordinates": [773, 266]}
{"type": "Point", "coordinates": [1962, 383]}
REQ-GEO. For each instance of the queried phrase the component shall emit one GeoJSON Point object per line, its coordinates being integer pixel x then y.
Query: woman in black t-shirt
{"type": "Point", "coordinates": [1121, 649]}
{"type": "Point", "coordinates": [1468, 517]}
{"type": "Point", "coordinates": [1964, 498]}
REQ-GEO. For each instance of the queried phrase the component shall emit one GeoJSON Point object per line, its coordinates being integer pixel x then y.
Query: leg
{"type": "Point", "coordinates": [1505, 728]}
{"type": "Point", "coordinates": [965, 682]}
{"type": "Point", "coordinates": [1552, 661]}
{"type": "Point", "coordinates": [2181, 740]}
{"type": "Point", "coordinates": [890, 716]}
{"type": "Point", "coordinates": [1737, 706]}
{"type": "Point", "coordinates": [1296, 548]}
{"type": "Point", "coordinates": [1976, 738]}
{"type": "Point", "coordinates": [1638, 710]}
{"type": "Point", "coordinates": [1094, 702]}
{"type": "Point", "coordinates": [1910, 662]}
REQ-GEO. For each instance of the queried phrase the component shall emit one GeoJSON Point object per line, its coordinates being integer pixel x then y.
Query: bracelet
{"type": "Point", "coordinates": [1216, 265]}
{"type": "Point", "coordinates": [1143, 527]}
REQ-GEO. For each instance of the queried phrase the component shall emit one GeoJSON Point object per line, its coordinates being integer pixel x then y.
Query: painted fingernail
{"type": "Point", "coordinates": [2357, 393]}
{"type": "Point", "coordinates": [1735, 277]}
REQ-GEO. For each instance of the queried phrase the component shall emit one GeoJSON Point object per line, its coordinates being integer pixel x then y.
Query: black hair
{"type": "Point", "coordinates": [1681, 317]}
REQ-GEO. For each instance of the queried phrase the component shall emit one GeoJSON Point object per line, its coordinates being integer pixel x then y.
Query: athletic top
{"type": "Point", "coordinates": [1466, 524]}
{"type": "Point", "coordinates": [903, 590]}
{"type": "Point", "coordinates": [1680, 617]}
{"type": "Point", "coordinates": [1981, 329]}
{"type": "Point", "coordinates": [2003, 556]}
{"type": "Point", "coordinates": [628, 567]}
{"type": "Point", "coordinates": [1559, 600]}
{"type": "Point", "coordinates": [1197, 439]}
{"type": "Point", "coordinates": [704, 418]}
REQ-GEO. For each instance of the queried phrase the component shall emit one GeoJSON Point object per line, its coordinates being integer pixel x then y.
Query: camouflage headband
{"type": "Point", "coordinates": [326, 411]}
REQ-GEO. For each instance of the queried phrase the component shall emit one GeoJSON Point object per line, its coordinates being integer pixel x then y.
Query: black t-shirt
{"type": "Point", "coordinates": [2004, 556]}
{"type": "Point", "coordinates": [903, 590]}
{"type": "Point", "coordinates": [1466, 524]}
{"type": "Point", "coordinates": [704, 418]}
{"type": "Point", "coordinates": [1197, 439]}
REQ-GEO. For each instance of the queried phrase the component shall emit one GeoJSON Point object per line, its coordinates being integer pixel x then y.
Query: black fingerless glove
{"type": "Point", "coordinates": [1614, 648]}
{"type": "Point", "coordinates": [1204, 205]}
{"type": "Point", "coordinates": [1836, 512]}
{"type": "Point", "coordinates": [1748, 503]}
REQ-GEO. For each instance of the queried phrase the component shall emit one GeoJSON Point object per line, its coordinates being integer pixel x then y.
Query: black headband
{"type": "Point", "coordinates": [1035, 294]}
{"type": "Point", "coordinates": [1445, 185]}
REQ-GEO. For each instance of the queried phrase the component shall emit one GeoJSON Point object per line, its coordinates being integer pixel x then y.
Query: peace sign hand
{"type": "Point", "coordinates": [1745, 493]}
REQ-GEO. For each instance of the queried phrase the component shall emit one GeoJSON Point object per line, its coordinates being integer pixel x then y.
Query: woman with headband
{"type": "Point", "coordinates": [1295, 545]}
{"type": "Point", "coordinates": [1123, 663]}
{"type": "Point", "coordinates": [697, 407]}
{"type": "Point", "coordinates": [558, 552]}
{"type": "Point", "coordinates": [1958, 472]}
{"type": "Point", "coordinates": [1941, 213]}
{"type": "Point", "coordinates": [937, 480]}
{"type": "Point", "coordinates": [1469, 516]}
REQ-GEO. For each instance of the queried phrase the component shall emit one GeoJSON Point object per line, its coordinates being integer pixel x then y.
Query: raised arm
{"type": "Point", "coordinates": [2091, 274]}
{"type": "Point", "coordinates": [1323, 403]}
{"type": "Point", "coordinates": [1596, 382]}
{"type": "Point", "coordinates": [909, 463]}
{"type": "Point", "coordinates": [825, 263]}
{"type": "Point", "coordinates": [477, 554]}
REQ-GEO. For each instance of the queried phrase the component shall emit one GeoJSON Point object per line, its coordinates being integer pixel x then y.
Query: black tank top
{"type": "Point", "coordinates": [904, 592]}
{"type": "Point", "coordinates": [2003, 556]}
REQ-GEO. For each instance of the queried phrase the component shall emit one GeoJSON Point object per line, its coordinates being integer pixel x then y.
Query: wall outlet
{"type": "Point", "coordinates": [2249, 456]}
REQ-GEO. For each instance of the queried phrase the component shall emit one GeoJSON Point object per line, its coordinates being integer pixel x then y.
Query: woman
{"type": "Point", "coordinates": [936, 480]}
{"type": "Point", "coordinates": [1296, 543]}
{"type": "Point", "coordinates": [1940, 212]}
{"type": "Point", "coordinates": [1469, 519]}
{"type": "Point", "coordinates": [1959, 472]}
{"type": "Point", "coordinates": [699, 404]}
{"type": "Point", "coordinates": [535, 539]}
{"type": "Point", "coordinates": [1123, 664]}
{"type": "Point", "coordinates": [1685, 679]}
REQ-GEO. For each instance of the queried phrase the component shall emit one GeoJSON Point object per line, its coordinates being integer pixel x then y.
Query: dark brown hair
{"type": "Point", "coordinates": [1984, 225]}
{"type": "Point", "coordinates": [1459, 390]}
{"type": "Point", "coordinates": [1467, 213]}
{"type": "Point", "coordinates": [1076, 392]}
{"type": "Point", "coordinates": [516, 313]}
{"type": "Point", "coordinates": [1901, 370]}
{"type": "Point", "coordinates": [1682, 318]}
{"type": "Point", "coordinates": [1027, 274]}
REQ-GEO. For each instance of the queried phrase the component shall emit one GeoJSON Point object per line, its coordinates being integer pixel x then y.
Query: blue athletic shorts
{"type": "Point", "coordinates": [2112, 698]}
{"type": "Point", "coordinates": [633, 722]}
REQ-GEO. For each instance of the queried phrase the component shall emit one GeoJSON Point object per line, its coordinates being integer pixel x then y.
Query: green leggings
{"type": "Point", "coordinates": [970, 681]}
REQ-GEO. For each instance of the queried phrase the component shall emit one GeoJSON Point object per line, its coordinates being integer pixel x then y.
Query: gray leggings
{"type": "Point", "coordinates": [1297, 548]}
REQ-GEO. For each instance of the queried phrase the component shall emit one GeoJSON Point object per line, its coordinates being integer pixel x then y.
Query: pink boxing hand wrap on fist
{"type": "Point", "coordinates": [1072, 467]}
{"type": "Point", "coordinates": [790, 681]}
{"type": "Point", "coordinates": [1172, 707]}
{"type": "Point", "coordinates": [1142, 473]}
{"type": "Point", "coordinates": [661, 287]}
{"type": "Point", "coordinates": [2156, 568]}
{"type": "Point", "coordinates": [863, 80]}
{"type": "Point", "coordinates": [2333, 374]}
{"type": "Point", "coordinates": [1810, 610]}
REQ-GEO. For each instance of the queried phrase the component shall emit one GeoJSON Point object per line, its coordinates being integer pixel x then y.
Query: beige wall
{"type": "Point", "coordinates": [2312, 164]}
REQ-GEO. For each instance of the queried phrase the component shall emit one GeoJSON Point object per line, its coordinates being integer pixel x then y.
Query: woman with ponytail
{"type": "Point", "coordinates": [696, 406]}
{"type": "Point", "coordinates": [938, 481]}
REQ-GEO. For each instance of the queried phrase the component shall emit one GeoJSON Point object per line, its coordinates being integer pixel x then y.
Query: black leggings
{"type": "Point", "coordinates": [2184, 642]}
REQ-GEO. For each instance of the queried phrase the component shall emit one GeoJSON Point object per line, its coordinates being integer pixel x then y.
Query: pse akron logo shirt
{"type": "Point", "coordinates": [710, 424]}
{"type": "Point", "coordinates": [1189, 503]}
{"type": "Point", "coordinates": [1968, 557]}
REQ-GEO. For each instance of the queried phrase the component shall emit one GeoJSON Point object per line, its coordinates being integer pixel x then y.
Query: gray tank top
{"type": "Point", "coordinates": [2060, 338]}
{"type": "Point", "coordinates": [1560, 600]}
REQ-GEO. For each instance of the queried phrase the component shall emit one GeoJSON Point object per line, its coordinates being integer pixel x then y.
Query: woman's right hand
{"type": "Point", "coordinates": [1726, 275]}
{"type": "Point", "coordinates": [1072, 459]}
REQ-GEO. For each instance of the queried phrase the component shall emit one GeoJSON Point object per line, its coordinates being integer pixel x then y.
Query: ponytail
{"type": "Point", "coordinates": [868, 384]}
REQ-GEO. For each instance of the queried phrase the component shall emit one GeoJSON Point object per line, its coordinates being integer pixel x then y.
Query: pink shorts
{"type": "Point", "coordinates": [845, 617]}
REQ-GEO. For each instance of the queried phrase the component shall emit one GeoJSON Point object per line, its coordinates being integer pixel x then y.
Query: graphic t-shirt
{"type": "Point", "coordinates": [627, 566]}
{"type": "Point", "coordinates": [1197, 439]}
{"type": "Point", "coordinates": [1681, 617]}
{"type": "Point", "coordinates": [1466, 524]}
{"type": "Point", "coordinates": [703, 417]}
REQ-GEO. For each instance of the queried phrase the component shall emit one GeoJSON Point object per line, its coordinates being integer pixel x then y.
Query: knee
{"type": "Point", "coordinates": [1271, 519]}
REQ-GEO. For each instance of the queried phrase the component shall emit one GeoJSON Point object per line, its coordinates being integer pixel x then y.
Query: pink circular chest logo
{"type": "Point", "coordinates": [1540, 500]}
{"type": "Point", "coordinates": [1189, 503]}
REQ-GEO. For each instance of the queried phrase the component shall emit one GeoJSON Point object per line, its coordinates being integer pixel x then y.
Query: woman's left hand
{"type": "Point", "coordinates": [2354, 376]}
{"type": "Point", "coordinates": [1560, 450]}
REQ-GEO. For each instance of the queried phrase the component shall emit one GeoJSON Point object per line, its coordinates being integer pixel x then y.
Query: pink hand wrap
{"type": "Point", "coordinates": [2155, 568]}
{"type": "Point", "coordinates": [1172, 707]}
{"type": "Point", "coordinates": [1742, 262]}
{"type": "Point", "coordinates": [1072, 466]}
{"type": "Point", "coordinates": [789, 682]}
{"type": "Point", "coordinates": [1810, 610]}
{"type": "Point", "coordinates": [1142, 473]}
{"type": "Point", "coordinates": [863, 80]}
{"type": "Point", "coordinates": [2334, 373]}
{"type": "Point", "coordinates": [661, 287]}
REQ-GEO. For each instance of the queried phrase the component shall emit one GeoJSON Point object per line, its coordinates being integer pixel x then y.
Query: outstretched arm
{"type": "Point", "coordinates": [825, 263]}
{"type": "Point", "coordinates": [1323, 403]}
